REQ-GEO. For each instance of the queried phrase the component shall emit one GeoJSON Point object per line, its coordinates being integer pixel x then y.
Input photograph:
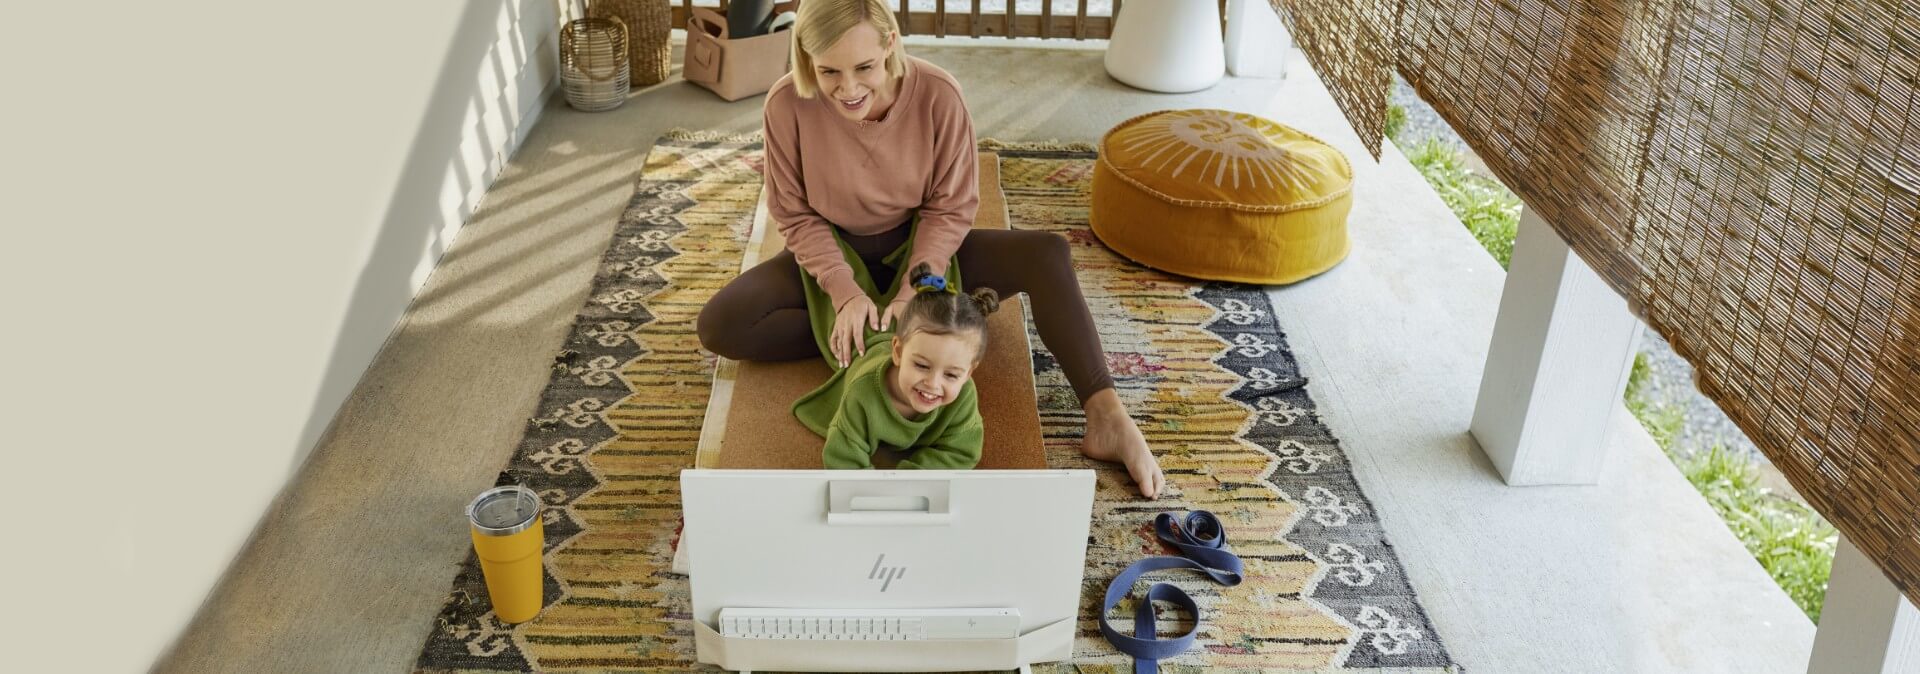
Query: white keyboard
{"type": "Point", "coordinates": [869, 624]}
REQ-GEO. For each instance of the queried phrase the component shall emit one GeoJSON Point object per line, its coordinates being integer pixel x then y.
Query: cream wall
{"type": "Point", "coordinates": [215, 213]}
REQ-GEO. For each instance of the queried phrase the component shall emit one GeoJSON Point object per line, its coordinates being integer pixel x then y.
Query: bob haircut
{"type": "Point", "coordinates": [820, 23]}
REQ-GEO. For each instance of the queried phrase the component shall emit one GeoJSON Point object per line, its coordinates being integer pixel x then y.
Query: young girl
{"type": "Point", "coordinates": [916, 396]}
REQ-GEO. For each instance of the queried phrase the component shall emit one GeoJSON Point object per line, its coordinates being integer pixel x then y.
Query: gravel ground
{"type": "Point", "coordinates": [1422, 121]}
{"type": "Point", "coordinates": [1670, 381]}
{"type": "Point", "coordinates": [1669, 377]}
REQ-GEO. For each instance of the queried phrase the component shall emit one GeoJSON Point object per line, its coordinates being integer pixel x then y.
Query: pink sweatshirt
{"type": "Point", "coordinates": [823, 170]}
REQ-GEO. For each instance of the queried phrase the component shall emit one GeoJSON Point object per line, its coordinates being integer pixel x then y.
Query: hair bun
{"type": "Point", "coordinates": [924, 280]}
{"type": "Point", "coordinates": [988, 300]}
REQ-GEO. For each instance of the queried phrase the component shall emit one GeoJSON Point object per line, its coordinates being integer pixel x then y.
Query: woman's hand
{"type": "Point", "coordinates": [848, 340]}
{"type": "Point", "coordinates": [894, 309]}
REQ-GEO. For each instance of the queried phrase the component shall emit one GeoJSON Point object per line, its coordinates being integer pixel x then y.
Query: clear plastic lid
{"type": "Point", "coordinates": [502, 511]}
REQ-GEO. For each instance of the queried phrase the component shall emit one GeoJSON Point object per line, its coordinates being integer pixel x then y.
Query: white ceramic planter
{"type": "Point", "coordinates": [1171, 46]}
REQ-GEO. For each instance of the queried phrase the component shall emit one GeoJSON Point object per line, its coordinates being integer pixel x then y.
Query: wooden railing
{"type": "Point", "coordinates": [966, 19]}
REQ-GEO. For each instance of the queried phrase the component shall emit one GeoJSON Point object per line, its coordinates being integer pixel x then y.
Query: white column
{"type": "Point", "coordinates": [1563, 345]}
{"type": "Point", "coordinates": [1257, 42]}
{"type": "Point", "coordinates": [1867, 626]}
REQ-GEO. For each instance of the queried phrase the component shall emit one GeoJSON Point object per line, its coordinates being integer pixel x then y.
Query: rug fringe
{"type": "Point", "coordinates": [701, 136]}
{"type": "Point", "coordinates": [1037, 145]}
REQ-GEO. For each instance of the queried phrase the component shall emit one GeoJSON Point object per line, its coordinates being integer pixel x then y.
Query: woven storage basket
{"type": "Point", "coordinates": [593, 63]}
{"type": "Point", "coordinates": [649, 27]}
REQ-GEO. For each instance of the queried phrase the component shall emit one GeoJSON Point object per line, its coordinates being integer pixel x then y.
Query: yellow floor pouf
{"type": "Point", "coordinates": [1221, 195]}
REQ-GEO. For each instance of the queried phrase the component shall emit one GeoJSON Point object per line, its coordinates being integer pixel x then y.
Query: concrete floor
{"type": "Point", "coordinates": [1633, 575]}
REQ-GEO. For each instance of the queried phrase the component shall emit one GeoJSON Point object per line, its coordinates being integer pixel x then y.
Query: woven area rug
{"type": "Point", "coordinates": [1204, 368]}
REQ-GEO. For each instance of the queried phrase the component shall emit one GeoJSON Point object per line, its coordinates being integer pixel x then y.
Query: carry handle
{"type": "Point", "coordinates": [708, 22]}
{"type": "Point", "coordinates": [577, 25]}
{"type": "Point", "coordinates": [912, 504]}
{"type": "Point", "coordinates": [904, 503]}
{"type": "Point", "coordinates": [704, 54]}
{"type": "Point", "coordinates": [626, 42]}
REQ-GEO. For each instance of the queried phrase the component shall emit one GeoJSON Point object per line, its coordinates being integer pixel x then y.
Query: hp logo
{"type": "Point", "coordinates": [885, 574]}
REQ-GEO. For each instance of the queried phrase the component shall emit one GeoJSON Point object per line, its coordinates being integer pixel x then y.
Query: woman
{"type": "Point", "coordinates": [875, 148]}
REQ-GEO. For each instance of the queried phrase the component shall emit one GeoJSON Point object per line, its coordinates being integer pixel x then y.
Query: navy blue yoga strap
{"type": "Point", "coordinates": [1202, 542]}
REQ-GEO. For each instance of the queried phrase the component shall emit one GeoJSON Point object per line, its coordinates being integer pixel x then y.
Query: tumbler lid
{"type": "Point", "coordinates": [502, 511]}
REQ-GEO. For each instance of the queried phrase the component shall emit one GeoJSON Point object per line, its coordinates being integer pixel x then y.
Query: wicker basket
{"type": "Point", "coordinates": [649, 26]}
{"type": "Point", "coordinates": [593, 63]}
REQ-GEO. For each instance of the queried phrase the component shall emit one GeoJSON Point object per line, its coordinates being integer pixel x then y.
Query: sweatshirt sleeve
{"type": "Point", "coordinates": [849, 445]}
{"type": "Point", "coordinates": [953, 192]}
{"type": "Point", "coordinates": [808, 235]}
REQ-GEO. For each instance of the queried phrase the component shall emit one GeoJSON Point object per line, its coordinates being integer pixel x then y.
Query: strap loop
{"type": "Point", "coordinates": [1202, 541]}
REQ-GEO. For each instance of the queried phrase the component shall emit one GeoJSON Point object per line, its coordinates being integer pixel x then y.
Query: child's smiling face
{"type": "Point", "coordinates": [929, 369]}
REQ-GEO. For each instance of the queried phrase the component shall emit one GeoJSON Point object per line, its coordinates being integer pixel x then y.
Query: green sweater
{"type": "Point", "coordinates": [852, 411]}
{"type": "Point", "coordinates": [855, 414]}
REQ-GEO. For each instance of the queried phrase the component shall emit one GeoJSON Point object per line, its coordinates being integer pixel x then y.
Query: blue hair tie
{"type": "Point", "coordinates": [930, 283]}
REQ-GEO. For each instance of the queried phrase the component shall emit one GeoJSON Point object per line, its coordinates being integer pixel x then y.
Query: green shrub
{"type": "Point", "coordinates": [1487, 208]}
{"type": "Point", "coordinates": [1791, 541]}
{"type": "Point", "coordinates": [1661, 420]}
{"type": "Point", "coordinates": [1637, 376]}
{"type": "Point", "coordinates": [1396, 121]}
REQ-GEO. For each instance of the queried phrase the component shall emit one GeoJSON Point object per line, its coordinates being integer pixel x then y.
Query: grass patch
{"type": "Point", "coordinates": [1790, 540]}
{"type": "Point", "coordinates": [1396, 121]}
{"type": "Point", "coordinates": [1662, 421]}
{"type": "Point", "coordinates": [1486, 207]}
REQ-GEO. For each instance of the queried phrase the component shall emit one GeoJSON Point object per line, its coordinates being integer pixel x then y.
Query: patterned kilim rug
{"type": "Point", "coordinates": [1204, 367]}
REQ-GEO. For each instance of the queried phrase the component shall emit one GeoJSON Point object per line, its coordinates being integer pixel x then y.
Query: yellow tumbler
{"type": "Point", "coordinates": [507, 537]}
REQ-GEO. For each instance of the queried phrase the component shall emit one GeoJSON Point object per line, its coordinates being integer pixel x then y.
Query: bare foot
{"type": "Point", "coordinates": [1112, 436]}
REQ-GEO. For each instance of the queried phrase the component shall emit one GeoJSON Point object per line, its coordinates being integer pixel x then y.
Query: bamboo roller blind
{"type": "Point", "coordinates": [1745, 172]}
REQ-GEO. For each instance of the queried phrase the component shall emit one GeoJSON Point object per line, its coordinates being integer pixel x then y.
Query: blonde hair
{"type": "Point", "coordinates": [821, 23]}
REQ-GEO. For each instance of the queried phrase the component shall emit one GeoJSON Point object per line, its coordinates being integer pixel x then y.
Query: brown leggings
{"type": "Point", "coordinates": [762, 314]}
